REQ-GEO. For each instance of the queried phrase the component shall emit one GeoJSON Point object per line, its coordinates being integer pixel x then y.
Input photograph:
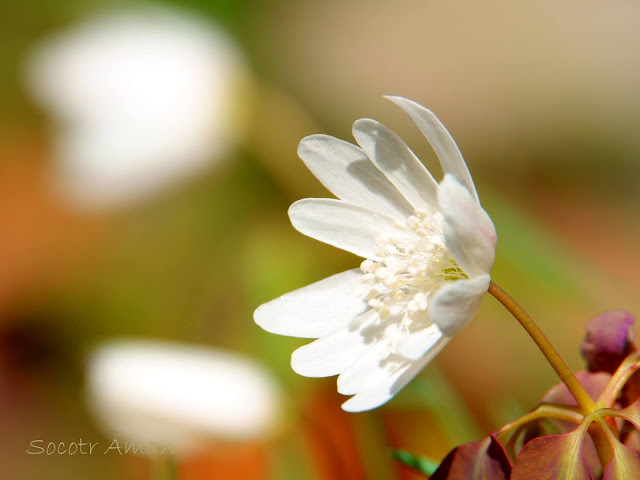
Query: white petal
{"type": "Point", "coordinates": [341, 224]}
{"type": "Point", "coordinates": [414, 346]}
{"type": "Point", "coordinates": [457, 302]}
{"type": "Point", "coordinates": [373, 397]}
{"type": "Point", "coordinates": [346, 171]}
{"type": "Point", "coordinates": [440, 139]}
{"type": "Point", "coordinates": [316, 310]}
{"type": "Point", "coordinates": [469, 233]}
{"type": "Point", "coordinates": [372, 368]}
{"type": "Point", "coordinates": [392, 156]}
{"type": "Point", "coordinates": [379, 394]}
{"type": "Point", "coordinates": [332, 354]}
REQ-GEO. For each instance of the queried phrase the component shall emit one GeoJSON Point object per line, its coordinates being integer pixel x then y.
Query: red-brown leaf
{"type": "Point", "coordinates": [625, 464]}
{"type": "Point", "coordinates": [554, 457]}
{"type": "Point", "coordinates": [482, 460]}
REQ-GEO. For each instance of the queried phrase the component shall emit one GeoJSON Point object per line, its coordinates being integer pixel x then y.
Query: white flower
{"type": "Point", "coordinates": [143, 98]}
{"type": "Point", "coordinates": [179, 396]}
{"type": "Point", "coordinates": [429, 250]}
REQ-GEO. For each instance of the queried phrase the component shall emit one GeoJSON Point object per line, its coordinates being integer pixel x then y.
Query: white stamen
{"type": "Point", "coordinates": [414, 263]}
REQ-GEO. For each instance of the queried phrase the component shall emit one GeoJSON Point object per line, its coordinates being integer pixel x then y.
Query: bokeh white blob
{"type": "Point", "coordinates": [155, 393]}
{"type": "Point", "coordinates": [142, 99]}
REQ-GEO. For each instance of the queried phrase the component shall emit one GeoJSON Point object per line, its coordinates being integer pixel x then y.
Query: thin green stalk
{"type": "Point", "coordinates": [586, 403]}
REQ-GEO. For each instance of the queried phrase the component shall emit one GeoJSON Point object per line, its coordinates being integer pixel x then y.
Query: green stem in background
{"type": "Point", "coordinates": [586, 403]}
{"type": "Point", "coordinates": [165, 467]}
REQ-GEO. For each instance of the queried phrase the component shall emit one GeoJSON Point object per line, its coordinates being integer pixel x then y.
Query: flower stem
{"type": "Point", "coordinates": [585, 402]}
{"type": "Point", "coordinates": [603, 438]}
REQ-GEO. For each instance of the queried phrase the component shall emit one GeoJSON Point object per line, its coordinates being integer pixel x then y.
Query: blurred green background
{"type": "Point", "coordinates": [544, 103]}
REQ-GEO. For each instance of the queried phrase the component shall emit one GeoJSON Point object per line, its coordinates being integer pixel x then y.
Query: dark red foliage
{"type": "Point", "coordinates": [482, 460]}
{"type": "Point", "coordinates": [554, 457]}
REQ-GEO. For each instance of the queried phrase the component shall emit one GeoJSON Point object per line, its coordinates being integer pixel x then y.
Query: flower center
{"type": "Point", "coordinates": [413, 263]}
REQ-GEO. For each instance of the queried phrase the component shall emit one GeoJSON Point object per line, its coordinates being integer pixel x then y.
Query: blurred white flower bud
{"type": "Point", "coordinates": [179, 396]}
{"type": "Point", "coordinates": [142, 98]}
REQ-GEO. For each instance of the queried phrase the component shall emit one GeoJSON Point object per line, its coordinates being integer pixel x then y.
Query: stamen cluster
{"type": "Point", "coordinates": [413, 263]}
